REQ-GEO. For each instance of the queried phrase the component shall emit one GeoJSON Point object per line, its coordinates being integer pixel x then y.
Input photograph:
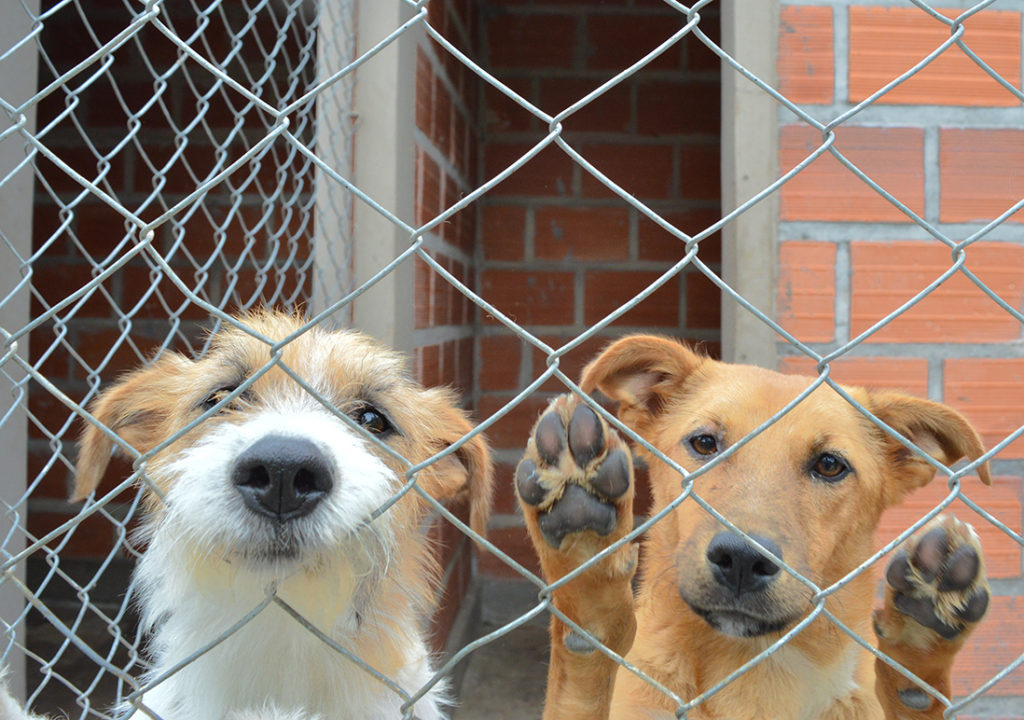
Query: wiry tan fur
{"type": "Point", "coordinates": [366, 588]}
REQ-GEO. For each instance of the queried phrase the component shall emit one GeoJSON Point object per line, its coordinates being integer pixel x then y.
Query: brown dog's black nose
{"type": "Point", "coordinates": [282, 477]}
{"type": "Point", "coordinates": [737, 565]}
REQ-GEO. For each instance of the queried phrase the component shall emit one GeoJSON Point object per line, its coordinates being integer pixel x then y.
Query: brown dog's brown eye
{"type": "Point", "coordinates": [831, 468]}
{"type": "Point", "coordinates": [216, 396]}
{"type": "Point", "coordinates": [704, 444]}
{"type": "Point", "coordinates": [373, 420]}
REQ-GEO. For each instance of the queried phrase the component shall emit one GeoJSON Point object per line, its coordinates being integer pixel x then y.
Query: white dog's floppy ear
{"type": "Point", "coordinates": [136, 408]}
{"type": "Point", "coordinates": [938, 429]}
{"type": "Point", "coordinates": [469, 472]}
{"type": "Point", "coordinates": [640, 373]}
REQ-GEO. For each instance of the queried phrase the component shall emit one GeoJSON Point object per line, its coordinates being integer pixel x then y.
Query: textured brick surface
{"type": "Point", "coordinates": [989, 391]}
{"type": "Point", "coordinates": [828, 191]}
{"type": "Point", "coordinates": [886, 42]}
{"type": "Point", "coordinates": [981, 174]}
{"type": "Point", "coordinates": [806, 298]}
{"type": "Point", "coordinates": [805, 62]}
{"type": "Point", "coordinates": [885, 275]}
{"type": "Point", "coordinates": [882, 373]}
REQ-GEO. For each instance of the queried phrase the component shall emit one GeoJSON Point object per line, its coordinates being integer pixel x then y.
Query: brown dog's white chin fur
{"type": "Point", "coordinates": [274, 495]}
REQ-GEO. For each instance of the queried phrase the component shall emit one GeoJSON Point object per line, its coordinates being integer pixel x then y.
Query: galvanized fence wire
{"type": "Point", "coordinates": [282, 91]}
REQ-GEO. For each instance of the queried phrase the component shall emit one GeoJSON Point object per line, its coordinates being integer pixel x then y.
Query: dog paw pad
{"type": "Point", "coordinates": [938, 577]}
{"type": "Point", "coordinates": [576, 475]}
{"type": "Point", "coordinates": [915, 698]}
{"type": "Point", "coordinates": [576, 643]}
{"type": "Point", "coordinates": [575, 511]}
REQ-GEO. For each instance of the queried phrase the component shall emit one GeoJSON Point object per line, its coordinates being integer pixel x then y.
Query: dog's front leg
{"type": "Point", "coordinates": [575, 486]}
{"type": "Point", "coordinates": [935, 596]}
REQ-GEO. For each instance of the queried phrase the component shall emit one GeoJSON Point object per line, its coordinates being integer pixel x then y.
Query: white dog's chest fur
{"type": "Point", "coordinates": [272, 666]}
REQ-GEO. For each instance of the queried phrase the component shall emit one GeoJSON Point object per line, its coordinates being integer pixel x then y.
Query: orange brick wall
{"type": "Point", "coordinates": [557, 250]}
{"type": "Point", "coordinates": [947, 145]}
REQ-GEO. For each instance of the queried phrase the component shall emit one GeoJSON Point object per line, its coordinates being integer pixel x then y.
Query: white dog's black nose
{"type": "Point", "coordinates": [282, 477]}
{"type": "Point", "coordinates": [739, 566]}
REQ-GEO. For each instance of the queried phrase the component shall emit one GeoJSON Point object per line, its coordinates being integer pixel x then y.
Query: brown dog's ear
{"type": "Point", "coordinates": [640, 373]}
{"type": "Point", "coordinates": [474, 474]}
{"type": "Point", "coordinates": [135, 408]}
{"type": "Point", "coordinates": [938, 429]}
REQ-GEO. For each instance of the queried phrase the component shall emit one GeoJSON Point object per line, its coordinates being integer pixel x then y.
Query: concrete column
{"type": "Point", "coordinates": [749, 164]}
{"type": "Point", "coordinates": [17, 84]}
{"type": "Point", "coordinates": [383, 168]}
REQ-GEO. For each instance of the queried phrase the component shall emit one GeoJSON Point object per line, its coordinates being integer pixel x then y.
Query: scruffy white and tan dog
{"type": "Point", "coordinates": [274, 492]}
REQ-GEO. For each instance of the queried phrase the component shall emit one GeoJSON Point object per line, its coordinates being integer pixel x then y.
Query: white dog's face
{"type": "Point", "coordinates": [275, 477]}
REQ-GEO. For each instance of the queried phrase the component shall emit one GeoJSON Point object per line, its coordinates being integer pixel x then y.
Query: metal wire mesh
{"type": "Point", "coordinates": [229, 142]}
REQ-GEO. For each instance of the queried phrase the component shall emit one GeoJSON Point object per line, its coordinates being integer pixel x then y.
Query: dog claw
{"type": "Point", "coordinates": [586, 436]}
{"type": "Point", "coordinates": [938, 578]}
{"type": "Point", "coordinates": [550, 438]}
{"type": "Point", "coordinates": [528, 483]}
{"type": "Point", "coordinates": [915, 698]}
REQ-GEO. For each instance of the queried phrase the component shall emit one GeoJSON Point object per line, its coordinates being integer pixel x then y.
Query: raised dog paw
{"type": "Point", "coordinates": [575, 481]}
{"type": "Point", "coordinates": [937, 578]}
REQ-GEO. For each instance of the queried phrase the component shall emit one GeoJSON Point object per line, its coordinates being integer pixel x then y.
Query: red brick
{"type": "Point", "coordinates": [617, 41]}
{"type": "Point", "coordinates": [806, 295]}
{"type": "Point", "coordinates": [424, 91]}
{"type": "Point", "coordinates": [883, 373]}
{"type": "Point", "coordinates": [827, 191]}
{"type": "Point", "coordinates": [885, 275]}
{"type": "Point", "coordinates": [547, 173]}
{"type": "Point", "coordinates": [92, 538]}
{"type": "Point", "coordinates": [502, 232]}
{"type": "Point", "coordinates": [700, 172]}
{"type": "Point", "coordinates": [996, 644]}
{"type": "Point", "coordinates": [504, 493]}
{"type": "Point", "coordinates": [886, 42]}
{"type": "Point", "coordinates": [443, 112]}
{"type": "Point", "coordinates": [499, 362]}
{"type": "Point", "coordinates": [703, 303]}
{"type": "Point", "coordinates": [504, 114]}
{"type": "Point", "coordinates": [423, 284]}
{"type": "Point", "coordinates": [685, 107]}
{"type": "Point", "coordinates": [530, 297]}
{"type": "Point", "coordinates": [429, 363]}
{"type": "Point", "coordinates": [575, 233]}
{"type": "Point", "coordinates": [1002, 500]}
{"type": "Point", "coordinates": [990, 392]}
{"type": "Point", "coordinates": [513, 430]}
{"type": "Point", "coordinates": [805, 60]}
{"type": "Point", "coordinates": [607, 290]}
{"type": "Point", "coordinates": [609, 112]}
{"type": "Point", "coordinates": [531, 41]}
{"type": "Point", "coordinates": [659, 244]}
{"type": "Point", "coordinates": [981, 174]}
{"type": "Point", "coordinates": [641, 170]}
{"type": "Point", "coordinates": [429, 191]}
{"type": "Point", "coordinates": [54, 282]}
{"type": "Point", "coordinates": [571, 364]}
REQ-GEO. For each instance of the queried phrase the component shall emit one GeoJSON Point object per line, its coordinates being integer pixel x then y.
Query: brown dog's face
{"type": "Point", "coordinates": [276, 475]}
{"type": "Point", "coordinates": [810, 488]}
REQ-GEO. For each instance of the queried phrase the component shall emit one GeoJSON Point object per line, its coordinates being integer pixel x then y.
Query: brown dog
{"type": "Point", "coordinates": [809, 489]}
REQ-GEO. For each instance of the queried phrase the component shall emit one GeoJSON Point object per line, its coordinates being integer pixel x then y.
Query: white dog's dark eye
{"type": "Point", "coordinates": [704, 444]}
{"type": "Point", "coordinates": [372, 419]}
{"type": "Point", "coordinates": [216, 396]}
{"type": "Point", "coordinates": [830, 468]}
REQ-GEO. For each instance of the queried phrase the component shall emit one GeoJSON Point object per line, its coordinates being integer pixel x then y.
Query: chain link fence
{"type": "Point", "coordinates": [199, 126]}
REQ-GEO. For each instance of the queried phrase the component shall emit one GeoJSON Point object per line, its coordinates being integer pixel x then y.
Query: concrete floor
{"type": "Point", "coordinates": [505, 679]}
